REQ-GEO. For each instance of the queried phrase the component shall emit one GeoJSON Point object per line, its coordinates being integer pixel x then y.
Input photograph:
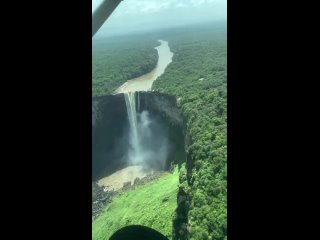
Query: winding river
{"type": "Point", "coordinates": [144, 82]}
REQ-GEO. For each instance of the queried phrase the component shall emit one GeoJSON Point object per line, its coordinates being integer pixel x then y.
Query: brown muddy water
{"type": "Point", "coordinates": [144, 82]}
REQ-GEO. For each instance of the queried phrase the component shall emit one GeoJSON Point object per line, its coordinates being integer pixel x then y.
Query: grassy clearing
{"type": "Point", "coordinates": [151, 205]}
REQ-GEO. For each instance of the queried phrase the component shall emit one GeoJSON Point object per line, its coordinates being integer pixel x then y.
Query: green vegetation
{"type": "Point", "coordinates": [116, 60]}
{"type": "Point", "coordinates": [197, 76]}
{"type": "Point", "coordinates": [150, 205]}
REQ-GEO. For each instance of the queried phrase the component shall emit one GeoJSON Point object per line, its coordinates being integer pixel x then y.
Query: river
{"type": "Point", "coordinates": [144, 82]}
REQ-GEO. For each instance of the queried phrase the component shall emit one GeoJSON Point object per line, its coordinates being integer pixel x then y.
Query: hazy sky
{"type": "Point", "coordinates": [137, 15]}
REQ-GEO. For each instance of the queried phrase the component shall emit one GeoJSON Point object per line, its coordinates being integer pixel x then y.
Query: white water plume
{"type": "Point", "coordinates": [148, 145]}
{"type": "Point", "coordinates": [133, 121]}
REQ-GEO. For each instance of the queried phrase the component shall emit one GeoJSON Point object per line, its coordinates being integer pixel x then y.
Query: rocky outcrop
{"type": "Point", "coordinates": [162, 103]}
{"type": "Point", "coordinates": [148, 178]}
{"type": "Point", "coordinates": [109, 118]}
{"type": "Point", "coordinates": [100, 198]}
{"type": "Point", "coordinates": [110, 124]}
{"type": "Point", "coordinates": [109, 121]}
{"type": "Point", "coordinates": [106, 108]}
{"type": "Point", "coordinates": [113, 106]}
{"type": "Point", "coordinates": [126, 186]}
{"type": "Point", "coordinates": [141, 181]}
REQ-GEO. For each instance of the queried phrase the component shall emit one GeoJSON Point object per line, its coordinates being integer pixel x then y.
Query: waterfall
{"type": "Point", "coordinates": [138, 102]}
{"type": "Point", "coordinates": [148, 145]}
{"type": "Point", "coordinates": [134, 138]}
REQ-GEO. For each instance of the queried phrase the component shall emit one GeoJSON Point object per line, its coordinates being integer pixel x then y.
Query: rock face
{"type": "Point", "coordinates": [100, 198]}
{"type": "Point", "coordinates": [164, 104]}
{"type": "Point", "coordinates": [126, 185]}
{"type": "Point", "coordinates": [109, 118]}
{"type": "Point", "coordinates": [136, 181]}
{"type": "Point", "coordinates": [105, 108]}
{"type": "Point", "coordinates": [110, 127]}
{"type": "Point", "coordinates": [113, 106]}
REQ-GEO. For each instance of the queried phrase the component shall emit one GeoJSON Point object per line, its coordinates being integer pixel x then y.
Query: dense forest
{"type": "Point", "coordinates": [120, 60]}
{"type": "Point", "coordinates": [197, 77]}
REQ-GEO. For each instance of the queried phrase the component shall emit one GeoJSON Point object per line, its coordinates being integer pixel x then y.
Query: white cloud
{"type": "Point", "coordinates": [154, 6]}
{"type": "Point", "coordinates": [132, 15]}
